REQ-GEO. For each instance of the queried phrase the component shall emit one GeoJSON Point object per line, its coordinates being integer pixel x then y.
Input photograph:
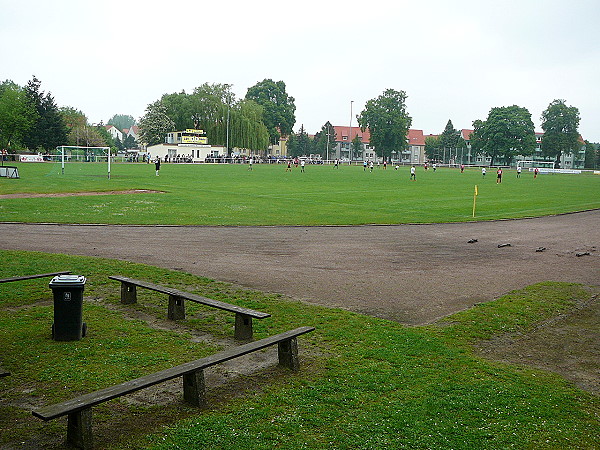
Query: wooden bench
{"type": "Point", "coordinates": [79, 409]}
{"type": "Point", "coordinates": [176, 309]}
{"type": "Point", "coordinates": [29, 277]}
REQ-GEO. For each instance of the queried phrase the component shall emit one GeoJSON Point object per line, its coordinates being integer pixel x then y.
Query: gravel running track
{"type": "Point", "coordinates": [413, 274]}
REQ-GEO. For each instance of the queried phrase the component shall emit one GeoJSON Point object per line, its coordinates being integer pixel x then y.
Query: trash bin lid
{"type": "Point", "coordinates": [67, 280]}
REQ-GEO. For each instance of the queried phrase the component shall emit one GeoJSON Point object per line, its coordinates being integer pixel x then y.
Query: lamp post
{"type": "Point", "coordinates": [327, 143]}
{"type": "Point", "coordinates": [349, 134]}
{"type": "Point", "coordinates": [227, 139]}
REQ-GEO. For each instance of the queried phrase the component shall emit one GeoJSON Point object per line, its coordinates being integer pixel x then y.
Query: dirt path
{"type": "Point", "coordinates": [413, 274]}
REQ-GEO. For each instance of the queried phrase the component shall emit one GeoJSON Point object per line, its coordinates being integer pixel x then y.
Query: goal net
{"type": "Point", "coordinates": [71, 154]}
{"type": "Point", "coordinates": [531, 164]}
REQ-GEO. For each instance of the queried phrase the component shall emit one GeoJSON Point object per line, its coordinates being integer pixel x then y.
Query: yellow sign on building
{"type": "Point", "coordinates": [194, 140]}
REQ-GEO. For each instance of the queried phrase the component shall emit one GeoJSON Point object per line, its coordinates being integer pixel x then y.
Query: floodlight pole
{"type": "Point", "coordinates": [227, 143]}
{"type": "Point", "coordinates": [327, 144]}
{"type": "Point", "coordinates": [349, 135]}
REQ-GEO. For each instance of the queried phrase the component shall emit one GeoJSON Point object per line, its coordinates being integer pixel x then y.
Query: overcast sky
{"type": "Point", "coordinates": [454, 59]}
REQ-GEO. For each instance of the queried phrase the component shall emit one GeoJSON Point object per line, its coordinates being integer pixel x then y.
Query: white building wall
{"type": "Point", "coordinates": [198, 153]}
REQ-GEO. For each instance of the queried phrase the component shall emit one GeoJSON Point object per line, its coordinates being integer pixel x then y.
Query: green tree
{"type": "Point", "coordinates": [278, 107]}
{"type": "Point", "coordinates": [388, 122]}
{"type": "Point", "coordinates": [101, 137]}
{"type": "Point", "coordinates": [155, 124]}
{"type": "Point", "coordinates": [560, 124]}
{"type": "Point", "coordinates": [48, 130]}
{"type": "Point", "coordinates": [301, 144]}
{"type": "Point", "coordinates": [246, 128]}
{"type": "Point", "coordinates": [357, 147]}
{"type": "Point", "coordinates": [449, 141]}
{"type": "Point", "coordinates": [292, 146]}
{"type": "Point", "coordinates": [73, 117]}
{"type": "Point", "coordinates": [77, 123]}
{"type": "Point", "coordinates": [121, 121]}
{"type": "Point", "coordinates": [507, 132]}
{"type": "Point", "coordinates": [214, 109]}
{"type": "Point", "coordinates": [325, 140]}
{"type": "Point", "coordinates": [118, 143]}
{"type": "Point", "coordinates": [129, 142]}
{"type": "Point", "coordinates": [591, 150]}
{"type": "Point", "coordinates": [17, 115]}
{"type": "Point", "coordinates": [433, 148]}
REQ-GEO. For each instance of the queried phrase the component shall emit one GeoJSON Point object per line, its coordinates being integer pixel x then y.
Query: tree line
{"type": "Point", "coordinates": [265, 114]}
{"type": "Point", "coordinates": [509, 132]}
{"type": "Point", "coordinates": [30, 118]}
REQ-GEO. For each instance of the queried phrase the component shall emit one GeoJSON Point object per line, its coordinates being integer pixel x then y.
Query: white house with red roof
{"type": "Point", "coordinates": [344, 137]}
{"type": "Point", "coordinates": [114, 132]}
{"type": "Point", "coordinates": [134, 132]}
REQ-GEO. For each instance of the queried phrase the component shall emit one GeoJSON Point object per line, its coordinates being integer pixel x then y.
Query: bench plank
{"type": "Point", "coordinates": [193, 297]}
{"type": "Point", "coordinates": [30, 277]}
{"type": "Point", "coordinates": [94, 398]}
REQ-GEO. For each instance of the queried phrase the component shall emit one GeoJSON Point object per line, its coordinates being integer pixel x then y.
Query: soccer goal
{"type": "Point", "coordinates": [530, 164]}
{"type": "Point", "coordinates": [70, 153]}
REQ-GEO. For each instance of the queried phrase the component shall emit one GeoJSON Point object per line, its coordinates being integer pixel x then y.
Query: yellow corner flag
{"type": "Point", "coordinates": [475, 200]}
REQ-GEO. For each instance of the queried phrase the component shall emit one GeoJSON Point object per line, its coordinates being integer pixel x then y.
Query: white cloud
{"type": "Point", "coordinates": [456, 60]}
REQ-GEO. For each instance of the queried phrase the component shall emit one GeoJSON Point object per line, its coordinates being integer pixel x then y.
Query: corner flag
{"type": "Point", "coordinates": [475, 200]}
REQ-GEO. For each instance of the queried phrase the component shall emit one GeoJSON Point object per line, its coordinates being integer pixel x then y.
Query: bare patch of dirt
{"type": "Point", "coordinates": [568, 344]}
{"type": "Point", "coordinates": [81, 194]}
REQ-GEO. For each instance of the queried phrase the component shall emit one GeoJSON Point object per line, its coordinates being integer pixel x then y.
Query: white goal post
{"type": "Point", "coordinates": [531, 164]}
{"type": "Point", "coordinates": [83, 154]}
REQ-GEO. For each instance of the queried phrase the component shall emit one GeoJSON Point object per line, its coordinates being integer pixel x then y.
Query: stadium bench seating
{"type": "Point", "coordinates": [79, 409]}
{"type": "Point", "coordinates": [176, 309]}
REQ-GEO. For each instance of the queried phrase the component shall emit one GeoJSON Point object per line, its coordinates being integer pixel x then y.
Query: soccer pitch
{"type": "Point", "coordinates": [268, 195]}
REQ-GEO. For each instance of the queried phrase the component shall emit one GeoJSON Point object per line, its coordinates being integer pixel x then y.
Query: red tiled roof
{"type": "Point", "coordinates": [340, 132]}
{"type": "Point", "coordinates": [415, 137]}
{"type": "Point", "coordinates": [466, 134]}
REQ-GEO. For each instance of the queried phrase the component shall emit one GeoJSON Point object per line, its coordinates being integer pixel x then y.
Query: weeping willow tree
{"type": "Point", "coordinates": [246, 128]}
{"type": "Point", "coordinates": [214, 109]}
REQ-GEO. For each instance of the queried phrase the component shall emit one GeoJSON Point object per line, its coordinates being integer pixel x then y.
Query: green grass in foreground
{"type": "Point", "coordinates": [364, 382]}
{"type": "Point", "coordinates": [232, 195]}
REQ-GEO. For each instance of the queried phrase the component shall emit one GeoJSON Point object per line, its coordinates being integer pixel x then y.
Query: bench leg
{"type": "Point", "coordinates": [288, 353]}
{"type": "Point", "coordinates": [194, 388]}
{"type": "Point", "coordinates": [128, 293]}
{"type": "Point", "coordinates": [176, 308]}
{"type": "Point", "coordinates": [243, 327]}
{"type": "Point", "coordinates": [79, 429]}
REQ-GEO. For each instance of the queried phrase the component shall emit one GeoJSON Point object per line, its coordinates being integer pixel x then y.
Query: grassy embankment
{"type": "Point", "coordinates": [364, 382]}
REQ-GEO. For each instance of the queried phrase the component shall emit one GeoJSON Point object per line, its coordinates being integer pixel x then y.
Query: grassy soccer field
{"type": "Point", "coordinates": [233, 195]}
